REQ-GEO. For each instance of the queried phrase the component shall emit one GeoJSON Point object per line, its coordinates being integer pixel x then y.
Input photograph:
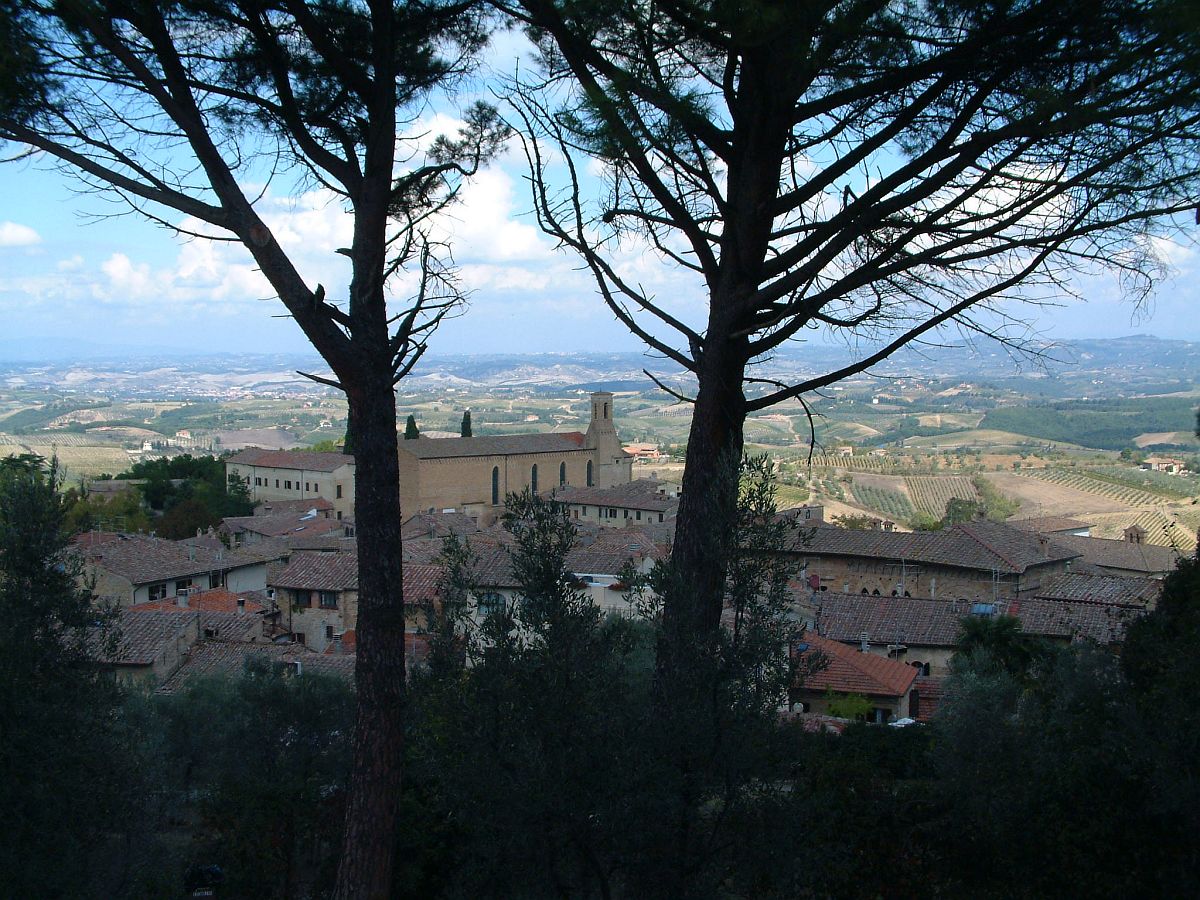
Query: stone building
{"type": "Point", "coordinates": [296, 475]}
{"type": "Point", "coordinates": [463, 474]}
{"type": "Point", "coordinates": [978, 561]}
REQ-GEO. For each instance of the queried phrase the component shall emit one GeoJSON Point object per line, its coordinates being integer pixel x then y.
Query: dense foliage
{"type": "Point", "coordinates": [62, 785]}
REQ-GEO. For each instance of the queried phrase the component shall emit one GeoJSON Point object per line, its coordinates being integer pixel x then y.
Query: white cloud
{"type": "Point", "coordinates": [13, 234]}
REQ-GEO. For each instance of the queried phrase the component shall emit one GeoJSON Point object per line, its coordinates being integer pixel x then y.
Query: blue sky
{"type": "Point", "coordinates": [71, 269]}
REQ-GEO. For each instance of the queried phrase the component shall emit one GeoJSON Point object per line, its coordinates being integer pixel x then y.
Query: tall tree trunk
{"type": "Point", "coordinates": [365, 870]}
{"type": "Point", "coordinates": [708, 505]}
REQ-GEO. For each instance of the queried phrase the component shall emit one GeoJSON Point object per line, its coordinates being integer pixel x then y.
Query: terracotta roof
{"type": "Point", "coordinates": [142, 638]}
{"type": "Point", "coordinates": [983, 546]}
{"type": "Point", "coordinates": [224, 659]}
{"type": "Point", "coordinates": [339, 572]}
{"type": "Point", "coordinates": [1124, 555]}
{"type": "Point", "coordinates": [851, 672]}
{"type": "Point", "coordinates": [308, 460]}
{"type": "Point", "coordinates": [1117, 590]}
{"type": "Point", "coordinates": [1049, 524]}
{"type": "Point", "coordinates": [421, 582]}
{"type": "Point", "coordinates": [1074, 621]}
{"type": "Point", "coordinates": [438, 524]}
{"type": "Point", "coordinates": [644, 494]}
{"type": "Point", "coordinates": [215, 600]}
{"type": "Point", "coordinates": [229, 626]}
{"type": "Point", "coordinates": [493, 445]}
{"type": "Point", "coordinates": [887, 620]}
{"type": "Point", "coordinates": [930, 690]}
{"type": "Point", "coordinates": [294, 507]}
{"type": "Point", "coordinates": [320, 572]}
{"type": "Point", "coordinates": [309, 523]}
{"type": "Point", "coordinates": [143, 559]}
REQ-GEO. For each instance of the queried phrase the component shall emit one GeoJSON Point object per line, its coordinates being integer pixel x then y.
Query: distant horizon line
{"type": "Point", "coordinates": [27, 350]}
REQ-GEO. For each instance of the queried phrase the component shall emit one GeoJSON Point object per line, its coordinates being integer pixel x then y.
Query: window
{"type": "Point", "coordinates": [287, 485]}
{"type": "Point", "coordinates": [257, 482]}
{"type": "Point", "coordinates": [660, 517]}
{"type": "Point", "coordinates": [306, 487]}
{"type": "Point", "coordinates": [298, 637]}
{"type": "Point", "coordinates": [490, 603]}
{"type": "Point", "coordinates": [639, 515]}
{"type": "Point", "coordinates": [338, 492]}
{"type": "Point", "coordinates": [301, 599]}
{"type": "Point", "coordinates": [339, 515]}
{"type": "Point", "coordinates": [328, 599]}
{"type": "Point", "coordinates": [605, 416]}
{"type": "Point", "coordinates": [276, 482]}
{"type": "Point", "coordinates": [533, 479]}
{"type": "Point", "coordinates": [183, 585]}
{"type": "Point", "coordinates": [214, 580]}
{"type": "Point", "coordinates": [158, 591]}
{"type": "Point", "coordinates": [495, 485]}
{"type": "Point", "coordinates": [329, 632]}
{"type": "Point", "coordinates": [589, 473]}
{"type": "Point", "coordinates": [562, 474]}
{"type": "Point", "coordinates": [612, 513]}
{"type": "Point", "coordinates": [316, 488]}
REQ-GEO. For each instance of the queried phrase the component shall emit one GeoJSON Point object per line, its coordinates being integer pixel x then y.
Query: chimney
{"type": "Point", "coordinates": [864, 644]}
{"type": "Point", "coordinates": [241, 606]}
{"type": "Point", "coordinates": [1044, 545]}
{"type": "Point", "coordinates": [181, 599]}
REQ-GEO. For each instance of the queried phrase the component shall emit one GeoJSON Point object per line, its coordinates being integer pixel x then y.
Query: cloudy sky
{"type": "Point", "coordinates": [72, 268]}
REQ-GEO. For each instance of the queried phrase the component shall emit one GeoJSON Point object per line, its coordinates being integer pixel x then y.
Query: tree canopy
{"type": "Point", "coordinates": [192, 114]}
{"type": "Point", "coordinates": [868, 170]}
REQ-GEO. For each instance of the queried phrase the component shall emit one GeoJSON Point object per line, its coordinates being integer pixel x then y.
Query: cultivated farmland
{"type": "Point", "coordinates": [931, 493]}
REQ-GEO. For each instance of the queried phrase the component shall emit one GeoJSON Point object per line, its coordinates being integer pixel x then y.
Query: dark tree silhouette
{"type": "Point", "coordinates": [871, 170]}
{"type": "Point", "coordinates": [410, 429]}
{"type": "Point", "coordinates": [465, 429]}
{"type": "Point", "coordinates": [181, 111]}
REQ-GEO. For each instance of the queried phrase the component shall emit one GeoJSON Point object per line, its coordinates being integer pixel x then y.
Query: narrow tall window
{"type": "Point", "coordinates": [589, 473]}
{"type": "Point", "coordinates": [562, 474]}
{"type": "Point", "coordinates": [533, 479]}
{"type": "Point", "coordinates": [495, 485]}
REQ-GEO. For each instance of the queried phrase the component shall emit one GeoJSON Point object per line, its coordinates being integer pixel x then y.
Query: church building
{"type": "Point", "coordinates": [465, 474]}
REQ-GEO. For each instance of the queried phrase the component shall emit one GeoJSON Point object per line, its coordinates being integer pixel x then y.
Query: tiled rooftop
{"type": "Point", "coordinates": [320, 572]}
{"type": "Point", "coordinates": [493, 445]}
{"type": "Point", "coordinates": [225, 659]}
{"type": "Point", "coordinates": [143, 559]}
{"type": "Point", "coordinates": [1113, 554]}
{"type": "Point", "coordinates": [1118, 590]}
{"type": "Point", "coordinates": [1074, 621]}
{"type": "Point", "coordinates": [851, 672]}
{"type": "Point", "coordinates": [142, 637]}
{"type": "Point", "coordinates": [308, 460]}
{"type": "Point", "coordinates": [644, 494]}
{"type": "Point", "coordinates": [283, 524]}
{"type": "Point", "coordinates": [215, 600]}
{"type": "Point", "coordinates": [983, 546]}
{"type": "Point", "coordinates": [339, 572]}
{"type": "Point", "coordinates": [935, 623]}
{"type": "Point", "coordinates": [887, 620]}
